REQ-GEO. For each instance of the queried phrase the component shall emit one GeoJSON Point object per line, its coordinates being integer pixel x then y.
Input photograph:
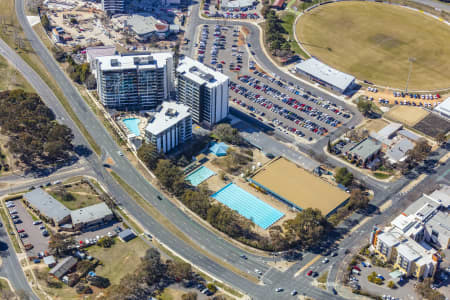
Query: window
{"type": "Point", "coordinates": [434, 233]}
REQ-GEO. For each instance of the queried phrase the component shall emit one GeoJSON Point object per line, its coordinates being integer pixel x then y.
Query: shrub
{"type": "Point", "coordinates": [211, 287]}
{"type": "Point", "coordinates": [391, 285]}
{"type": "Point", "coordinates": [105, 242]}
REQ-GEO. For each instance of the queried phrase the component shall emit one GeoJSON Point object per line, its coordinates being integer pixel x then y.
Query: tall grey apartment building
{"type": "Point", "coordinates": [113, 6]}
{"type": "Point", "coordinates": [203, 90]}
{"type": "Point", "coordinates": [134, 81]}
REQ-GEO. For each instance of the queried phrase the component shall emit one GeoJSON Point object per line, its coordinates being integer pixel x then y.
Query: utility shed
{"type": "Point", "coordinates": [63, 267]}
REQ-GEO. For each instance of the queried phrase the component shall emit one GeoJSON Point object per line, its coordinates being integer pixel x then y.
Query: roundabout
{"type": "Point", "coordinates": [381, 43]}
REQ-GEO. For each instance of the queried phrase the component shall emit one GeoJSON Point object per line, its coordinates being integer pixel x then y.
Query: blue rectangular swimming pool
{"type": "Point", "coordinates": [199, 175]}
{"type": "Point", "coordinates": [132, 125]}
{"type": "Point", "coordinates": [247, 205]}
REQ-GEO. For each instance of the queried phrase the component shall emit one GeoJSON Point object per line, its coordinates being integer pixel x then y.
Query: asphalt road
{"type": "Point", "coordinates": [203, 237]}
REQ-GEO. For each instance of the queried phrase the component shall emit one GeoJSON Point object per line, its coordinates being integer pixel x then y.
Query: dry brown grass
{"type": "Point", "coordinates": [408, 115]}
{"type": "Point", "coordinates": [373, 41]}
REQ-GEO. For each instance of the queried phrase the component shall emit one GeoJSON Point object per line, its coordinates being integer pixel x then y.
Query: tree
{"type": "Point", "coordinates": [419, 152]}
{"type": "Point", "coordinates": [358, 200]}
{"type": "Point", "coordinates": [170, 176]}
{"type": "Point", "coordinates": [149, 155]}
{"type": "Point", "coordinates": [152, 268]}
{"type": "Point", "coordinates": [105, 242]}
{"type": "Point", "coordinates": [60, 244]}
{"type": "Point", "coordinates": [365, 107]}
{"type": "Point", "coordinates": [391, 285]}
{"type": "Point", "coordinates": [179, 270]}
{"type": "Point", "coordinates": [85, 266]}
{"type": "Point", "coordinates": [307, 228]}
{"type": "Point", "coordinates": [197, 201]}
{"type": "Point", "coordinates": [424, 289]}
{"type": "Point", "coordinates": [441, 138]}
{"type": "Point", "coordinates": [343, 176]}
{"type": "Point", "coordinates": [91, 82]}
{"type": "Point", "coordinates": [211, 287]}
{"type": "Point", "coordinates": [227, 134]}
{"type": "Point", "coordinates": [329, 146]}
{"type": "Point", "coordinates": [46, 22]}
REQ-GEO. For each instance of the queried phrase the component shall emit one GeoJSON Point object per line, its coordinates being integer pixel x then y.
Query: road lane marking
{"type": "Point", "coordinates": [311, 262]}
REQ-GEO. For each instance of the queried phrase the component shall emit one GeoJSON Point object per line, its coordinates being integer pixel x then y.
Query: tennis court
{"type": "Point", "coordinates": [247, 205]}
{"type": "Point", "coordinates": [199, 175]}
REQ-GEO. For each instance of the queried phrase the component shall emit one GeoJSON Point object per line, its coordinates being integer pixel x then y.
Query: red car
{"type": "Point", "coordinates": [21, 230]}
{"type": "Point", "coordinates": [309, 273]}
{"type": "Point", "coordinates": [357, 268]}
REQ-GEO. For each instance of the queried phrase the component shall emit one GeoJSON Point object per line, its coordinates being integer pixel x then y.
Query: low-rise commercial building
{"type": "Point", "coordinates": [63, 267]}
{"type": "Point", "coordinates": [325, 75]}
{"type": "Point", "coordinates": [364, 152]}
{"type": "Point", "coordinates": [237, 4]}
{"type": "Point", "coordinates": [91, 216]}
{"type": "Point", "coordinates": [169, 127]}
{"type": "Point", "coordinates": [444, 108]}
{"type": "Point", "coordinates": [145, 26]}
{"type": "Point", "coordinates": [47, 207]}
{"type": "Point", "coordinates": [203, 90]}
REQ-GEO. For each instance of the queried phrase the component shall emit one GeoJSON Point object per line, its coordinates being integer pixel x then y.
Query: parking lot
{"type": "Point", "coordinates": [27, 231]}
{"type": "Point", "coordinates": [280, 104]}
{"type": "Point", "coordinates": [247, 12]}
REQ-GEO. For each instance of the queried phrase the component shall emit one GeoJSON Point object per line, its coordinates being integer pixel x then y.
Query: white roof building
{"type": "Point", "coordinates": [200, 73]}
{"type": "Point", "coordinates": [324, 74]}
{"type": "Point", "coordinates": [90, 215]}
{"type": "Point", "coordinates": [139, 61]}
{"type": "Point", "coordinates": [169, 127]}
{"type": "Point", "coordinates": [145, 25]}
{"type": "Point", "coordinates": [226, 4]}
{"type": "Point", "coordinates": [444, 108]}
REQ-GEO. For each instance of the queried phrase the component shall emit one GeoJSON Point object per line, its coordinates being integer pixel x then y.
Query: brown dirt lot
{"type": "Point", "coordinates": [299, 186]}
{"type": "Point", "coordinates": [432, 125]}
{"type": "Point", "coordinates": [408, 115]}
{"type": "Point", "coordinates": [375, 125]}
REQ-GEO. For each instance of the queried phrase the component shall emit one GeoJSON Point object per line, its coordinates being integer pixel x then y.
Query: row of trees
{"type": "Point", "coordinates": [274, 32]}
{"type": "Point", "coordinates": [35, 136]}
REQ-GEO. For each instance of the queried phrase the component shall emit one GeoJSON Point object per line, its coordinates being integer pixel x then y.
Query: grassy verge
{"type": "Point", "coordinates": [288, 25]}
{"type": "Point", "coordinates": [11, 78]}
{"type": "Point", "coordinates": [173, 229]}
{"type": "Point", "coordinates": [4, 286]}
{"type": "Point", "coordinates": [9, 229]}
{"type": "Point", "coordinates": [381, 175]}
{"type": "Point", "coordinates": [323, 278]}
{"type": "Point", "coordinates": [11, 29]}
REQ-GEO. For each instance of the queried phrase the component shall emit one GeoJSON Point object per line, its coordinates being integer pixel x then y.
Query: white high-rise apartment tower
{"type": "Point", "coordinates": [204, 90]}
{"type": "Point", "coordinates": [134, 81]}
{"type": "Point", "coordinates": [113, 6]}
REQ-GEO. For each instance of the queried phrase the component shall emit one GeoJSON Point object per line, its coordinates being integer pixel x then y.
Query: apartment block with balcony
{"type": "Point", "coordinates": [112, 7]}
{"type": "Point", "coordinates": [170, 127]}
{"type": "Point", "coordinates": [204, 90]}
{"type": "Point", "coordinates": [135, 82]}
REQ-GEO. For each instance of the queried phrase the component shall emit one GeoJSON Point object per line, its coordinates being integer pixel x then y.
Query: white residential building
{"type": "Point", "coordinates": [113, 6]}
{"type": "Point", "coordinates": [130, 81]}
{"type": "Point", "coordinates": [169, 127]}
{"type": "Point", "coordinates": [204, 90]}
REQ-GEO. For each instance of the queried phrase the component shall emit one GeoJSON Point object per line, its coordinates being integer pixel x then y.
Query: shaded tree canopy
{"type": "Point", "coordinates": [35, 136]}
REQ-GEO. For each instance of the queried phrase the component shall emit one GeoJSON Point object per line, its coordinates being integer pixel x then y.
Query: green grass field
{"type": "Point", "coordinates": [374, 41]}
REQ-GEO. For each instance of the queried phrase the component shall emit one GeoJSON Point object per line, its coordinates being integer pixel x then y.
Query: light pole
{"type": "Point", "coordinates": [411, 60]}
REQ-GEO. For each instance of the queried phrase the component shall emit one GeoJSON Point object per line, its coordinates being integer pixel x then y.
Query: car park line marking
{"type": "Point", "coordinates": [311, 262]}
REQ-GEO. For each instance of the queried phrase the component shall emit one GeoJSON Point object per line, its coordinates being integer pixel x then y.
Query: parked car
{"type": "Point", "coordinates": [37, 222]}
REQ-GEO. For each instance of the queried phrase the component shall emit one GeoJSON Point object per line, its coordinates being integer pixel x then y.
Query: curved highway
{"type": "Point", "coordinates": [210, 242]}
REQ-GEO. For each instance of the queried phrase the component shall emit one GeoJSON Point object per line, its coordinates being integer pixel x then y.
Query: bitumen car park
{"type": "Point", "coordinates": [29, 230]}
{"type": "Point", "coordinates": [266, 98]}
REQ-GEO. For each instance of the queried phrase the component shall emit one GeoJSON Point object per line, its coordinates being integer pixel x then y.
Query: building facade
{"type": "Point", "coordinates": [203, 90]}
{"type": "Point", "coordinates": [134, 81]}
{"type": "Point", "coordinates": [169, 127]}
{"type": "Point", "coordinates": [113, 6]}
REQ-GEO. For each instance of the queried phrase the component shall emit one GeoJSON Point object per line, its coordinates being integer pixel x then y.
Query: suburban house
{"type": "Point", "coordinates": [47, 207]}
{"type": "Point", "coordinates": [91, 216]}
{"type": "Point", "coordinates": [365, 152]}
{"type": "Point", "coordinates": [63, 267]}
{"type": "Point", "coordinates": [412, 239]}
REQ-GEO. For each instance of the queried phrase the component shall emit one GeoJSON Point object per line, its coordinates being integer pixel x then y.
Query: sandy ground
{"type": "Point", "coordinates": [299, 186]}
{"type": "Point", "coordinates": [374, 125]}
{"type": "Point", "coordinates": [407, 115]}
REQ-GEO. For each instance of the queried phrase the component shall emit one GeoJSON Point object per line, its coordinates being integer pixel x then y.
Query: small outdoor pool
{"type": "Point", "coordinates": [199, 175]}
{"type": "Point", "coordinates": [132, 125]}
{"type": "Point", "coordinates": [247, 205]}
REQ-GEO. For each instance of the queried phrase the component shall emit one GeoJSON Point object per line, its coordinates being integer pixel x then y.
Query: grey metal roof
{"type": "Point", "coordinates": [325, 73]}
{"type": "Point", "coordinates": [408, 134]}
{"type": "Point", "coordinates": [49, 260]}
{"type": "Point", "coordinates": [90, 213]}
{"type": "Point", "coordinates": [398, 151]}
{"type": "Point", "coordinates": [366, 148]}
{"type": "Point", "coordinates": [63, 266]}
{"type": "Point", "coordinates": [127, 234]}
{"type": "Point", "coordinates": [46, 204]}
{"type": "Point", "coordinates": [388, 130]}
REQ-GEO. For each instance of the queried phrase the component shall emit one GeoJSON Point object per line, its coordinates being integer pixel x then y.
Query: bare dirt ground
{"type": "Point", "coordinates": [407, 115]}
